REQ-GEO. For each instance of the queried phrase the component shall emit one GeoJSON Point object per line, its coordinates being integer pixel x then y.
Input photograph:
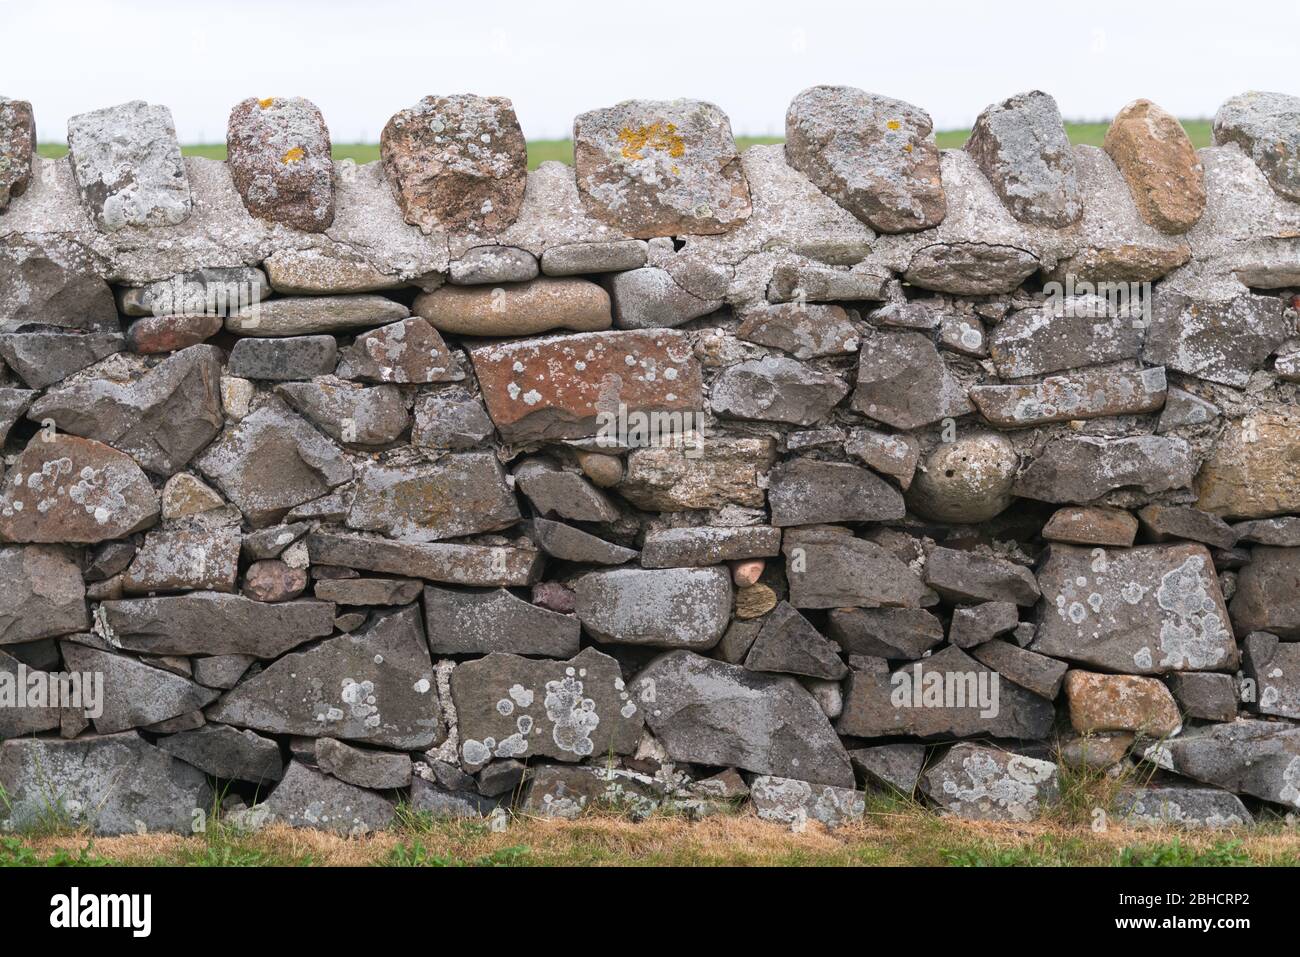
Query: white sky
{"type": "Point", "coordinates": [362, 61]}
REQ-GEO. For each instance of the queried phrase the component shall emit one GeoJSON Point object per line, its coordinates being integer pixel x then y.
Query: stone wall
{"type": "Point", "coordinates": [677, 478]}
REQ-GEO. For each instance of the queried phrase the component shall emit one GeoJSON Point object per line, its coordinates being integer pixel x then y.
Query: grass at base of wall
{"type": "Point", "coordinates": [539, 151]}
{"type": "Point", "coordinates": [895, 832]}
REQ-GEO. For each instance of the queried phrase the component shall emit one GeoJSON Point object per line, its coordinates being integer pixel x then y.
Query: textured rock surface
{"type": "Point", "coordinates": [985, 784]}
{"type": "Point", "coordinates": [666, 608]}
{"type": "Point", "coordinates": [1152, 150]}
{"type": "Point", "coordinates": [278, 152]}
{"type": "Point", "coordinates": [17, 147]}
{"type": "Point", "coordinates": [1264, 126]}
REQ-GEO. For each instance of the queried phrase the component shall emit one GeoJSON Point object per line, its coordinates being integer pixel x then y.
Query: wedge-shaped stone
{"type": "Point", "coordinates": [1259, 758]}
{"type": "Point", "coordinates": [1083, 395]}
{"type": "Point", "coordinates": [1034, 672]}
{"type": "Point", "coordinates": [374, 686]}
{"type": "Point", "coordinates": [665, 608]}
{"type": "Point", "coordinates": [128, 166]}
{"type": "Point", "coordinates": [513, 707]}
{"type": "Point", "coordinates": [906, 633]}
{"type": "Point", "coordinates": [21, 718]}
{"type": "Point", "coordinates": [134, 694]}
{"type": "Point", "coordinates": [113, 784]}
{"type": "Point", "coordinates": [660, 168]}
{"type": "Point", "coordinates": [967, 576]}
{"type": "Point", "coordinates": [566, 792]}
{"type": "Point", "coordinates": [160, 419]}
{"type": "Point", "coordinates": [43, 594]}
{"type": "Point", "coordinates": [1164, 522]}
{"type": "Point", "coordinates": [947, 695]}
{"type": "Point", "coordinates": [903, 382]}
{"type": "Point", "coordinates": [453, 419]}
{"type": "Point", "coordinates": [699, 545]}
{"type": "Point", "coordinates": [557, 387]}
{"type": "Point", "coordinates": [827, 569]}
{"type": "Point", "coordinates": [896, 766]}
{"type": "Point", "coordinates": [986, 784]}
{"type": "Point", "coordinates": [789, 644]}
{"type": "Point", "coordinates": [1084, 468]}
{"type": "Point", "coordinates": [487, 566]}
{"type": "Point", "coordinates": [278, 153]}
{"type": "Point", "coordinates": [462, 494]}
{"type": "Point", "coordinates": [227, 753]}
{"type": "Point", "coordinates": [67, 489]}
{"type": "Point", "coordinates": [873, 155]}
{"type": "Point", "coordinates": [478, 622]}
{"type": "Point", "coordinates": [709, 712]}
{"type": "Point", "coordinates": [55, 288]}
{"type": "Point", "coordinates": [310, 799]}
{"type": "Point", "coordinates": [564, 494]}
{"type": "Point", "coordinates": [809, 492]}
{"type": "Point", "coordinates": [892, 455]}
{"type": "Point", "coordinates": [574, 545]}
{"type": "Point", "coordinates": [209, 623]}
{"type": "Point", "coordinates": [271, 460]}
{"type": "Point", "coordinates": [1146, 610]}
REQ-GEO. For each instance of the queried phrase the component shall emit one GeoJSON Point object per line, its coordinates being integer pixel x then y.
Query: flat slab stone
{"type": "Point", "coordinates": [114, 784]}
{"type": "Point", "coordinates": [369, 591]}
{"type": "Point", "coordinates": [1076, 333]}
{"type": "Point", "coordinates": [967, 576]}
{"type": "Point", "coordinates": [211, 623]}
{"type": "Point", "coordinates": [985, 784]}
{"type": "Point", "coordinates": [363, 767]}
{"type": "Point", "coordinates": [1146, 610]}
{"type": "Point", "coordinates": [793, 802]}
{"type": "Point", "coordinates": [480, 565]}
{"type": "Point", "coordinates": [804, 491]}
{"type": "Point", "coordinates": [802, 330]}
{"type": "Point", "coordinates": [227, 753]}
{"type": "Point", "coordinates": [566, 792]}
{"type": "Point", "coordinates": [709, 712]}
{"type": "Point", "coordinates": [665, 608]}
{"type": "Point", "coordinates": [478, 622]}
{"type": "Point", "coordinates": [906, 633]}
{"type": "Point", "coordinates": [1068, 397]}
{"type": "Point", "coordinates": [375, 686]}
{"type": "Point", "coordinates": [42, 358]}
{"type": "Point", "coordinates": [315, 315]}
{"type": "Point", "coordinates": [701, 545]}
{"type": "Point", "coordinates": [517, 309]}
{"type": "Point", "coordinates": [128, 166]}
{"type": "Point", "coordinates": [574, 545]}
{"type": "Point", "coordinates": [712, 474]}
{"type": "Point", "coordinates": [1033, 672]}
{"type": "Point", "coordinates": [1253, 757]}
{"type": "Point", "coordinates": [1164, 522]}
{"type": "Point", "coordinates": [43, 595]}
{"type": "Point", "coordinates": [1091, 525]}
{"type": "Point", "coordinates": [833, 570]}
{"type": "Point", "coordinates": [1084, 468]}
{"type": "Point", "coordinates": [513, 707]}
{"type": "Point", "coordinates": [134, 694]}
{"type": "Point", "coordinates": [1205, 694]}
{"type": "Point", "coordinates": [1180, 806]}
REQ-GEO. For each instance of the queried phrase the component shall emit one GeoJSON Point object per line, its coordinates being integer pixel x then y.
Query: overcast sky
{"type": "Point", "coordinates": [360, 62]}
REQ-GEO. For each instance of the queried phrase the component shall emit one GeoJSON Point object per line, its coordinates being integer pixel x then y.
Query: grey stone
{"type": "Point", "coordinates": [462, 494]}
{"type": "Point", "coordinates": [1069, 397]}
{"type": "Point", "coordinates": [574, 545]}
{"type": "Point", "coordinates": [804, 331]}
{"type": "Point", "coordinates": [211, 291]}
{"type": "Point", "coordinates": [885, 632]}
{"type": "Point", "coordinates": [43, 594]}
{"type": "Point", "coordinates": [776, 389]}
{"type": "Point", "coordinates": [376, 687]}
{"type": "Point", "coordinates": [183, 557]}
{"type": "Point", "coordinates": [833, 570]}
{"type": "Point", "coordinates": [1183, 410]}
{"type": "Point", "coordinates": [1083, 468]}
{"type": "Point", "coordinates": [20, 718]}
{"type": "Point", "coordinates": [493, 264]}
{"type": "Point", "coordinates": [311, 799]}
{"type": "Point", "coordinates": [650, 298]}
{"type": "Point", "coordinates": [209, 623]}
{"type": "Point", "coordinates": [42, 358]}
{"type": "Point", "coordinates": [348, 412]}
{"type": "Point", "coordinates": [985, 784]}
{"type": "Point", "coordinates": [873, 155]}
{"type": "Point", "coordinates": [968, 576]}
{"type": "Point", "coordinates": [1268, 593]}
{"type": "Point", "coordinates": [665, 608]}
{"type": "Point", "coordinates": [1282, 532]}
{"type": "Point", "coordinates": [1218, 340]}
{"type": "Point", "coordinates": [1274, 666]}
{"type": "Point", "coordinates": [880, 704]}
{"type": "Point", "coordinates": [567, 495]}
{"type": "Point", "coordinates": [1163, 522]}
{"type": "Point", "coordinates": [221, 671]}
{"type": "Point", "coordinates": [1030, 670]}
{"type": "Point", "coordinates": [970, 268]}
{"type": "Point", "coordinates": [113, 784]}
{"type": "Point", "coordinates": [975, 624]}
{"type": "Point", "coordinates": [1204, 694]}
{"type": "Point", "coordinates": [737, 640]}
{"type": "Point", "coordinates": [284, 360]}
{"type": "Point", "coordinates": [52, 289]}
{"type": "Point", "coordinates": [513, 707]}
{"type": "Point", "coordinates": [576, 259]}
{"type": "Point", "coordinates": [476, 622]}
{"type": "Point", "coordinates": [716, 473]}
{"type": "Point", "coordinates": [811, 281]}
{"type": "Point", "coordinates": [1145, 610]}
{"type": "Point", "coordinates": [892, 455]}
{"type": "Point", "coordinates": [903, 382]}
{"type": "Point", "coordinates": [793, 802]}
{"type": "Point", "coordinates": [450, 420]}
{"type": "Point", "coordinates": [896, 766]}
{"type": "Point", "coordinates": [701, 545]}
{"type": "Point", "coordinates": [1021, 146]}
{"type": "Point", "coordinates": [481, 565]}
{"type": "Point", "coordinates": [501, 777]}
{"type": "Point", "coordinates": [1075, 333]}
{"type": "Point", "coordinates": [789, 644]}
{"type": "Point", "coordinates": [266, 543]}
{"type": "Point", "coordinates": [1253, 757]}
{"type": "Point", "coordinates": [128, 166]}
{"type": "Point", "coordinates": [710, 712]}
{"type": "Point", "coordinates": [227, 754]}
{"type": "Point", "coordinates": [134, 693]}
{"type": "Point", "coordinates": [447, 804]}
{"type": "Point", "coordinates": [809, 492]}
{"type": "Point", "coordinates": [1180, 806]}
{"type": "Point", "coordinates": [271, 460]}
{"type": "Point", "coordinates": [13, 403]}
{"type": "Point", "coordinates": [369, 591]}
{"type": "Point", "coordinates": [410, 351]}
{"type": "Point", "coordinates": [557, 791]}
{"type": "Point", "coordinates": [363, 767]}
{"type": "Point", "coordinates": [1265, 126]}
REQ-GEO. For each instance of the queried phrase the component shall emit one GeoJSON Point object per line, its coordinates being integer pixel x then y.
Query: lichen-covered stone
{"type": "Point", "coordinates": [776, 389]}
{"type": "Point", "coordinates": [278, 153]}
{"type": "Point", "coordinates": [986, 784]}
{"type": "Point", "coordinates": [665, 608]}
{"type": "Point", "coordinates": [487, 566]}
{"type": "Point", "coordinates": [1259, 758]}
{"type": "Point", "coordinates": [1158, 161]}
{"type": "Point", "coordinates": [211, 623]}
{"type": "Point", "coordinates": [349, 412]}
{"type": "Point", "coordinates": [1180, 806]}
{"type": "Point", "coordinates": [793, 802]}
{"type": "Point", "coordinates": [1220, 340]}
{"type": "Point", "coordinates": [699, 545]}
{"type": "Point", "coordinates": [1064, 398]}
{"type": "Point", "coordinates": [462, 494]}
{"type": "Point", "coordinates": [806, 491]}
{"type": "Point", "coordinates": [1267, 128]}
{"type": "Point", "coordinates": [312, 315]}
{"type": "Point", "coordinates": [1274, 666]}
{"type": "Point", "coordinates": [17, 147]}
{"type": "Point", "coordinates": [804, 331]}
{"type": "Point", "coordinates": [1120, 703]}
{"type": "Point", "coordinates": [310, 799]}
{"type": "Point", "coordinates": [482, 622]}
{"type": "Point", "coordinates": [719, 472]}
{"type": "Point", "coordinates": [1084, 468]}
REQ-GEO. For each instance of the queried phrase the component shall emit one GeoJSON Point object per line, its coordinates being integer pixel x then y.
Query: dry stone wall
{"type": "Point", "coordinates": [673, 479]}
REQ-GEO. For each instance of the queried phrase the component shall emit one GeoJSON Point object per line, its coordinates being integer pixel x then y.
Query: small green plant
{"type": "Point", "coordinates": [1175, 853]}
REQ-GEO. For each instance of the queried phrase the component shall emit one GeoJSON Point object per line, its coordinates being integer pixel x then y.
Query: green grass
{"type": "Point", "coordinates": [539, 151]}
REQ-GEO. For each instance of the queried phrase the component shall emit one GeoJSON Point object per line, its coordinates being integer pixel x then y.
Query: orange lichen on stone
{"type": "Point", "coordinates": [894, 125]}
{"type": "Point", "coordinates": [656, 136]}
{"type": "Point", "coordinates": [267, 103]}
{"type": "Point", "coordinates": [293, 155]}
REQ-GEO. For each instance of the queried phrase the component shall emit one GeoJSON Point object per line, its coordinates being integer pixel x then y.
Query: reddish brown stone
{"type": "Point", "coordinates": [1087, 525]}
{"type": "Point", "coordinates": [557, 387]}
{"type": "Point", "coordinates": [17, 147]}
{"type": "Point", "coordinates": [1120, 703]}
{"type": "Point", "coordinates": [273, 580]}
{"type": "Point", "coordinates": [1157, 158]}
{"type": "Point", "coordinates": [278, 154]}
{"type": "Point", "coordinates": [457, 163]}
{"type": "Point", "coordinates": [67, 489]}
{"type": "Point", "coordinates": [155, 334]}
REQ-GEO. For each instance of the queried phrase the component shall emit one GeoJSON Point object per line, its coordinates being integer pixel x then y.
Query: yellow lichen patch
{"type": "Point", "coordinates": [894, 125]}
{"type": "Point", "coordinates": [907, 147]}
{"type": "Point", "coordinates": [676, 169]}
{"type": "Point", "coordinates": [293, 155]}
{"type": "Point", "coordinates": [267, 103]}
{"type": "Point", "coordinates": [657, 136]}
